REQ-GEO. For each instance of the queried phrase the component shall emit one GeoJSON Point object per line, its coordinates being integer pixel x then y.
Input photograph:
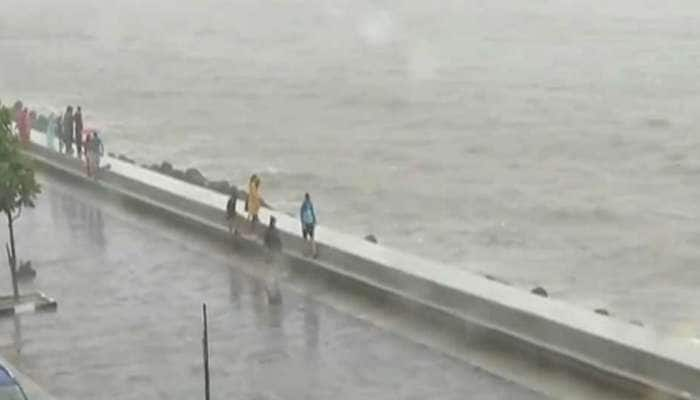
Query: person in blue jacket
{"type": "Point", "coordinates": [308, 223]}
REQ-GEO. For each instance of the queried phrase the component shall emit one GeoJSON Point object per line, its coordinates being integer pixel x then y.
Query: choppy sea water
{"type": "Point", "coordinates": [549, 142]}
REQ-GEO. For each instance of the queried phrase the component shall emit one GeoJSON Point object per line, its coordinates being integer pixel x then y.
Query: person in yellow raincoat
{"type": "Point", "coordinates": [254, 200]}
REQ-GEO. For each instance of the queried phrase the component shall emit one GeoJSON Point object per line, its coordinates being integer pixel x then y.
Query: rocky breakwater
{"type": "Point", "coordinates": [190, 175]}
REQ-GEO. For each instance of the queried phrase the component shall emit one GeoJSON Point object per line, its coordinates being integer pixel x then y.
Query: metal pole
{"type": "Point", "coordinates": [13, 261]}
{"type": "Point", "coordinates": [13, 272]}
{"type": "Point", "coordinates": [205, 349]}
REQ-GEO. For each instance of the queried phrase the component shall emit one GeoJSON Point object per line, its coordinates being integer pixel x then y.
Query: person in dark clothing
{"type": "Point", "coordinates": [273, 244]}
{"type": "Point", "coordinates": [88, 155]}
{"type": "Point", "coordinates": [68, 130]}
{"type": "Point", "coordinates": [59, 134]}
{"type": "Point", "coordinates": [78, 122]}
{"type": "Point", "coordinates": [231, 212]}
{"type": "Point", "coordinates": [272, 239]}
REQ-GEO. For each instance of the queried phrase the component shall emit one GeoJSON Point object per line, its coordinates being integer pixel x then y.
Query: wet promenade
{"type": "Point", "coordinates": [128, 326]}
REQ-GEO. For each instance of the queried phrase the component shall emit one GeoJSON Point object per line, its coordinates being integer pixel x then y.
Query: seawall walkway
{"type": "Point", "coordinates": [611, 350]}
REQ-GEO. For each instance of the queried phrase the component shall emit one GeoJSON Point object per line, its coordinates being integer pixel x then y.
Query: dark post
{"type": "Point", "coordinates": [11, 260]}
{"type": "Point", "coordinates": [205, 348]}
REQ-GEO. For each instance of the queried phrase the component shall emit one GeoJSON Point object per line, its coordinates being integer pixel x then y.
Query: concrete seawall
{"type": "Point", "coordinates": [615, 351]}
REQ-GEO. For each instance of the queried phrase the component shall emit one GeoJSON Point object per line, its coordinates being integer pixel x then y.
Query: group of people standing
{"type": "Point", "coordinates": [271, 238]}
{"type": "Point", "coordinates": [69, 130]}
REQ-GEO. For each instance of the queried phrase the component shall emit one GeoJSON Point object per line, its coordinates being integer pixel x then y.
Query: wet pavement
{"type": "Point", "coordinates": [128, 325]}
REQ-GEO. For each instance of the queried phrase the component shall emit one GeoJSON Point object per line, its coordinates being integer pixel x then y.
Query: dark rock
{"type": "Point", "coordinates": [154, 167]}
{"type": "Point", "coordinates": [126, 159]}
{"type": "Point", "coordinates": [602, 311]}
{"type": "Point", "coordinates": [178, 174]}
{"type": "Point", "coordinates": [539, 291]}
{"type": "Point", "coordinates": [372, 239]}
{"type": "Point", "coordinates": [496, 279]}
{"type": "Point", "coordinates": [220, 186]}
{"type": "Point", "coordinates": [112, 155]}
{"type": "Point", "coordinates": [636, 322]}
{"type": "Point", "coordinates": [192, 175]}
{"type": "Point", "coordinates": [166, 168]}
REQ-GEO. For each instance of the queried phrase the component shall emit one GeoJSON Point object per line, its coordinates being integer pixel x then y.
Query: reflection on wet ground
{"type": "Point", "coordinates": [129, 326]}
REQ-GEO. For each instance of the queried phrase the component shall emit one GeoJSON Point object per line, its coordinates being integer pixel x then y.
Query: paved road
{"type": "Point", "coordinates": [130, 289]}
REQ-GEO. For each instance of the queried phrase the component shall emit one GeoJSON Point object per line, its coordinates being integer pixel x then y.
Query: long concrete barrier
{"type": "Point", "coordinates": [615, 351]}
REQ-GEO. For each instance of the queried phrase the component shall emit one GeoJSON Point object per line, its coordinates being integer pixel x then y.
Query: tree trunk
{"type": "Point", "coordinates": [13, 257]}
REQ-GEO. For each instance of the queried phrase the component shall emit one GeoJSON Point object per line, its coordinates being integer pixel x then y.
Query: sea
{"type": "Point", "coordinates": [547, 143]}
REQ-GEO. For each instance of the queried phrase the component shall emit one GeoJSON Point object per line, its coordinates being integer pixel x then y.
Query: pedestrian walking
{"type": "Point", "coordinates": [307, 215]}
{"type": "Point", "coordinates": [78, 123]}
{"type": "Point", "coordinates": [68, 130]}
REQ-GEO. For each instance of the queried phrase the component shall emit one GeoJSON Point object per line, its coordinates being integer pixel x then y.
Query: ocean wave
{"type": "Point", "coordinates": [276, 173]}
{"type": "Point", "coordinates": [476, 149]}
{"type": "Point", "coordinates": [578, 214]}
{"type": "Point", "coordinates": [688, 168]}
{"type": "Point", "coordinates": [657, 122]}
{"type": "Point", "coordinates": [156, 94]}
{"type": "Point", "coordinates": [295, 182]}
{"type": "Point", "coordinates": [501, 235]}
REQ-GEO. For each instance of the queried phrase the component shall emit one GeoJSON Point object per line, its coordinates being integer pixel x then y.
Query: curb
{"type": "Point", "coordinates": [44, 304]}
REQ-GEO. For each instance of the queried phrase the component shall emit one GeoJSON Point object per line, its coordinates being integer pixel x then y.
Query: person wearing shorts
{"type": "Point", "coordinates": [307, 231]}
{"type": "Point", "coordinates": [307, 216]}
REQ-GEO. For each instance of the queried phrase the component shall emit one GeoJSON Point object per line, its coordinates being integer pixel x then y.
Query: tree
{"type": "Point", "coordinates": [18, 186]}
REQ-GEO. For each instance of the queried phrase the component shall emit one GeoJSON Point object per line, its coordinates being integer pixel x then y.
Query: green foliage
{"type": "Point", "coordinates": [18, 186]}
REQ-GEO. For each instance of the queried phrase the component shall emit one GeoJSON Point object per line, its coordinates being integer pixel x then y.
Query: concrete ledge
{"type": "Point", "coordinates": [26, 304]}
{"type": "Point", "coordinates": [616, 351]}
